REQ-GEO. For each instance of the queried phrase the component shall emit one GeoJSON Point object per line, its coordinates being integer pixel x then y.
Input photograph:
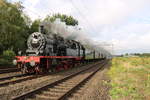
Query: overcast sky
{"type": "Point", "coordinates": [123, 23]}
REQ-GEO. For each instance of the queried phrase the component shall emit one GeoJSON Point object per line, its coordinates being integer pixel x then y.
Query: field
{"type": "Point", "coordinates": [130, 78]}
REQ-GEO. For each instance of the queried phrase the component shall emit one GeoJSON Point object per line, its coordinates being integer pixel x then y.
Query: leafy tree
{"type": "Point", "coordinates": [126, 54]}
{"type": "Point", "coordinates": [13, 27]}
{"type": "Point", "coordinates": [35, 26]}
{"type": "Point", "coordinates": [69, 20]}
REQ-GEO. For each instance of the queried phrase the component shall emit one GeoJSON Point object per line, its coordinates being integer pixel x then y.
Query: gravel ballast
{"type": "Point", "coordinates": [96, 88]}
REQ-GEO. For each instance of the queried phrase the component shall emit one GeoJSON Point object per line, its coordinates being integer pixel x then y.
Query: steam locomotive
{"type": "Point", "coordinates": [51, 52]}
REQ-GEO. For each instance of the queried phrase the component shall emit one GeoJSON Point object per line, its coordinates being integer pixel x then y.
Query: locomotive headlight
{"type": "Point", "coordinates": [32, 63]}
{"type": "Point", "coordinates": [14, 62]}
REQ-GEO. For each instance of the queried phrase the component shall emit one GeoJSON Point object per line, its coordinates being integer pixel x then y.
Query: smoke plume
{"type": "Point", "coordinates": [73, 33]}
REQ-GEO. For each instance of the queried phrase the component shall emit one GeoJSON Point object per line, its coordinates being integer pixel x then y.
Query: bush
{"type": "Point", "coordinates": [5, 62]}
{"type": "Point", "coordinates": [7, 57]}
{"type": "Point", "coordinates": [8, 54]}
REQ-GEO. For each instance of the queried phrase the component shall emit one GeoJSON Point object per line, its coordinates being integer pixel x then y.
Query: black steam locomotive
{"type": "Point", "coordinates": [51, 52]}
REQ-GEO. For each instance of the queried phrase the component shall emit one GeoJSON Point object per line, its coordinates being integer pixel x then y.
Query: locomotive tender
{"type": "Point", "coordinates": [51, 52]}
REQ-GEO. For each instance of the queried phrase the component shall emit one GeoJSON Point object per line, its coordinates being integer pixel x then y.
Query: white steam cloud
{"type": "Point", "coordinates": [73, 33]}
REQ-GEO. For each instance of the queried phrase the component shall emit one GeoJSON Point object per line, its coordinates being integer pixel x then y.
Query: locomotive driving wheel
{"type": "Point", "coordinates": [24, 69]}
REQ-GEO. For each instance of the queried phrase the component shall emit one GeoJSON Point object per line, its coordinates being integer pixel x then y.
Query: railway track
{"type": "Point", "coordinates": [63, 88]}
{"type": "Point", "coordinates": [11, 77]}
{"type": "Point", "coordinates": [4, 81]}
{"type": "Point", "coordinates": [9, 70]}
{"type": "Point", "coordinates": [17, 79]}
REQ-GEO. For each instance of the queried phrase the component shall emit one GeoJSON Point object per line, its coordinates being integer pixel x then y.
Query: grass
{"type": "Point", "coordinates": [130, 78]}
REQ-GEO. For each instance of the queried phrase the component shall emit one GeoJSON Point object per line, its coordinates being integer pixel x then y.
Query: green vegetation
{"type": "Point", "coordinates": [7, 57]}
{"type": "Point", "coordinates": [12, 26]}
{"type": "Point", "coordinates": [130, 78]}
{"type": "Point", "coordinates": [136, 54]}
{"type": "Point", "coordinates": [69, 20]}
{"type": "Point", "coordinates": [142, 54]}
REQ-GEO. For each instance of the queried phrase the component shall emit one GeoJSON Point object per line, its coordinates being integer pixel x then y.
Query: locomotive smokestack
{"type": "Point", "coordinates": [41, 29]}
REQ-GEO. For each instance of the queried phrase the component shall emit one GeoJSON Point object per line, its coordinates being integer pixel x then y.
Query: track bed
{"type": "Point", "coordinates": [62, 88]}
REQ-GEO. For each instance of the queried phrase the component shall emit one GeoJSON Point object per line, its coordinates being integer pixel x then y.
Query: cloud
{"type": "Point", "coordinates": [132, 44]}
{"type": "Point", "coordinates": [131, 38]}
{"type": "Point", "coordinates": [39, 9]}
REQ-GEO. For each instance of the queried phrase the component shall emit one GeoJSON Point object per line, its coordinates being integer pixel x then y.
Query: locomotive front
{"type": "Point", "coordinates": [36, 44]}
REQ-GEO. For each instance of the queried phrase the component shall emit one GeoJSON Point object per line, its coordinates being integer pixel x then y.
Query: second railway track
{"type": "Point", "coordinates": [9, 70]}
{"type": "Point", "coordinates": [4, 81]}
{"type": "Point", "coordinates": [11, 77]}
{"type": "Point", "coordinates": [19, 78]}
{"type": "Point", "coordinates": [63, 88]}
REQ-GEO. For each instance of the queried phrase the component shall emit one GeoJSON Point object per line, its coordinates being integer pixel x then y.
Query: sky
{"type": "Point", "coordinates": [124, 24]}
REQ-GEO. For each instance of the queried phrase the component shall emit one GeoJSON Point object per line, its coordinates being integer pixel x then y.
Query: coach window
{"type": "Point", "coordinates": [73, 46]}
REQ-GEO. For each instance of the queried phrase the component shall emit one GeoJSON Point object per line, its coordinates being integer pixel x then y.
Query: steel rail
{"type": "Point", "coordinates": [10, 77]}
{"type": "Point", "coordinates": [9, 70]}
